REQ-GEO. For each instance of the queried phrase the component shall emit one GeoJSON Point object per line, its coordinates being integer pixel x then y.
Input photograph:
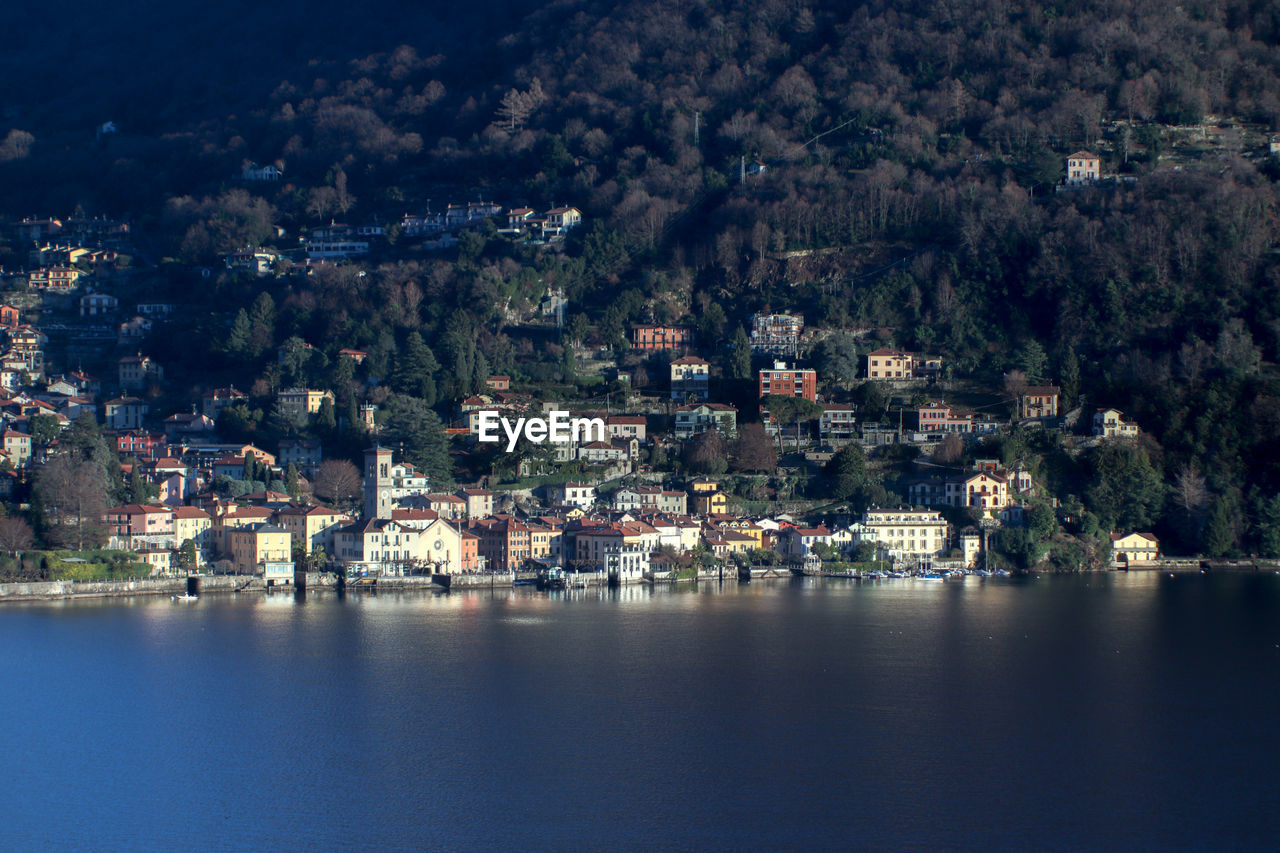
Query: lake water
{"type": "Point", "coordinates": [1057, 713]}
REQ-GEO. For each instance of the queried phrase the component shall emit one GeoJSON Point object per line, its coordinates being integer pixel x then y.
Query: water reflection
{"type": "Point", "coordinates": [774, 714]}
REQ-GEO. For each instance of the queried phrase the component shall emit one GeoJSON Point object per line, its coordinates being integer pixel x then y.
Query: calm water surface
{"type": "Point", "coordinates": [1075, 713]}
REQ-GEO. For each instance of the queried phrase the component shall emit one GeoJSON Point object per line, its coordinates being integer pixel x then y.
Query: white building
{"type": "Point", "coordinates": [903, 532]}
{"type": "Point", "coordinates": [1107, 423]}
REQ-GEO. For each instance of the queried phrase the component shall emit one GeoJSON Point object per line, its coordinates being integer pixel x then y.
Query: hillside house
{"type": "Point", "coordinates": [700, 417]}
{"type": "Point", "coordinates": [899, 365]}
{"type": "Point", "coordinates": [1038, 401]}
{"type": "Point", "coordinates": [125, 413]}
{"type": "Point", "coordinates": [653, 338]}
{"type": "Point", "coordinates": [837, 423]}
{"type": "Point", "coordinates": [1108, 423]}
{"type": "Point", "coordinates": [935, 417]}
{"type": "Point", "coordinates": [1083, 168]}
{"type": "Point", "coordinates": [138, 371]}
{"type": "Point", "coordinates": [690, 379]}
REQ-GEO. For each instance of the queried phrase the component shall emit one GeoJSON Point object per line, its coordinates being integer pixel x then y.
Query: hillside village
{"type": "Point", "coordinates": [748, 454]}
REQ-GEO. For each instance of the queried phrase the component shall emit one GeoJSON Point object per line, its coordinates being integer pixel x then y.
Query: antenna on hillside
{"type": "Point", "coordinates": [742, 170]}
{"type": "Point", "coordinates": [697, 126]}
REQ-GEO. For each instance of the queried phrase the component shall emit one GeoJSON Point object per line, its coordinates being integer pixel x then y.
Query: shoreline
{"type": "Point", "coordinates": [29, 591]}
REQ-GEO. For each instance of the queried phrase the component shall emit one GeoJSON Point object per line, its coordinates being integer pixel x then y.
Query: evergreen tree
{"type": "Point", "coordinates": [711, 323]}
{"type": "Point", "coordinates": [343, 380]}
{"type": "Point", "coordinates": [740, 361]}
{"type": "Point", "coordinates": [238, 340]}
{"type": "Point", "coordinates": [291, 484]}
{"type": "Point", "coordinates": [141, 491]}
{"type": "Point", "coordinates": [326, 421]}
{"type": "Point", "coordinates": [848, 473]}
{"type": "Point", "coordinates": [480, 371]}
{"type": "Point", "coordinates": [292, 359]}
{"type": "Point", "coordinates": [416, 429]}
{"type": "Point", "coordinates": [1268, 527]}
{"type": "Point", "coordinates": [377, 364]}
{"type": "Point", "coordinates": [1042, 524]}
{"type": "Point", "coordinates": [415, 369]}
{"type": "Point", "coordinates": [262, 319]}
{"type": "Point", "coordinates": [1069, 380]}
{"type": "Point", "coordinates": [1127, 492]}
{"type": "Point", "coordinates": [84, 437]}
{"type": "Point", "coordinates": [355, 424]}
{"type": "Point", "coordinates": [1219, 532]}
{"type": "Point", "coordinates": [837, 359]}
{"type": "Point", "coordinates": [1032, 360]}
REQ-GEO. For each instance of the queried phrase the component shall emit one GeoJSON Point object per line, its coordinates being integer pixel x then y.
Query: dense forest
{"type": "Point", "coordinates": [888, 169]}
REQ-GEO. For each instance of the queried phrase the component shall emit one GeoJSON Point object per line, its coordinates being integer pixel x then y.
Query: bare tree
{"type": "Point", "coordinates": [949, 451]}
{"type": "Point", "coordinates": [1190, 490]}
{"type": "Point", "coordinates": [754, 450]}
{"type": "Point", "coordinates": [337, 481]}
{"type": "Point", "coordinates": [1015, 383]}
{"type": "Point", "coordinates": [73, 495]}
{"type": "Point", "coordinates": [516, 106]}
{"type": "Point", "coordinates": [15, 535]}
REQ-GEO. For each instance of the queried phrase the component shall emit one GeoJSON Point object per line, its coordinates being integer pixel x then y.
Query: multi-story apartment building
{"type": "Point", "coordinates": [903, 532]}
{"type": "Point", "coordinates": [789, 382]}
{"type": "Point", "coordinates": [255, 546]}
{"type": "Point", "coordinates": [504, 542]}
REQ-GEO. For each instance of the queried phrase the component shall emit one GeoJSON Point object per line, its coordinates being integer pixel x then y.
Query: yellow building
{"type": "Point", "coordinates": [191, 522]}
{"type": "Point", "coordinates": [1134, 549]}
{"type": "Point", "coordinates": [743, 526]}
{"type": "Point", "coordinates": [709, 503]}
{"type": "Point", "coordinates": [727, 542]}
{"type": "Point", "coordinates": [704, 485]}
{"type": "Point", "coordinates": [296, 402]}
{"type": "Point", "coordinates": [544, 542]}
{"type": "Point", "coordinates": [255, 545]}
{"type": "Point", "coordinates": [312, 526]}
{"type": "Point", "coordinates": [225, 525]}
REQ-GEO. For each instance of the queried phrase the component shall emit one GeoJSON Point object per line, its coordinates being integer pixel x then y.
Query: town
{"type": "Point", "coordinates": [826, 450]}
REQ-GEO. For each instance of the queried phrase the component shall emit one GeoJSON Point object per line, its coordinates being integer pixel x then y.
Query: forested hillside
{"type": "Point", "coordinates": [886, 168]}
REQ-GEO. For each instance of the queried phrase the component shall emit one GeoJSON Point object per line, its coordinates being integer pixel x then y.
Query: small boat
{"type": "Point", "coordinates": [929, 576]}
{"type": "Point", "coordinates": [553, 578]}
{"type": "Point", "coordinates": [184, 597]}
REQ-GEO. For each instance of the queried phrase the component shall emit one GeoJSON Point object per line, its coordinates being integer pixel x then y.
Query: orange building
{"type": "Point", "coordinates": [661, 337]}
